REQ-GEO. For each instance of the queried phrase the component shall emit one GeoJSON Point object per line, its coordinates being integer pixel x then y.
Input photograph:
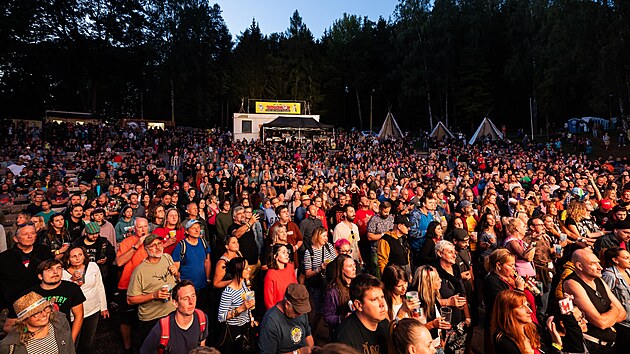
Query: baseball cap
{"type": "Point", "coordinates": [297, 295]}
{"type": "Point", "coordinates": [92, 228]}
{"type": "Point", "coordinates": [605, 204]}
{"type": "Point", "coordinates": [191, 223]}
{"type": "Point", "coordinates": [459, 235]}
{"type": "Point", "coordinates": [464, 203]}
{"type": "Point", "coordinates": [402, 219]}
{"type": "Point", "coordinates": [149, 239]}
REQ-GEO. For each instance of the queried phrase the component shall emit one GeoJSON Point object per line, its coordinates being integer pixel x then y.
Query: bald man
{"type": "Point", "coordinates": [591, 295]}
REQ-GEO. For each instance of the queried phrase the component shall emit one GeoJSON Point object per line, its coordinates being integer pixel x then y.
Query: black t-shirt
{"type": "Point", "coordinates": [247, 244]}
{"type": "Point", "coordinates": [353, 333]}
{"type": "Point", "coordinates": [75, 228]}
{"type": "Point", "coordinates": [65, 296]}
{"type": "Point", "coordinates": [18, 271]}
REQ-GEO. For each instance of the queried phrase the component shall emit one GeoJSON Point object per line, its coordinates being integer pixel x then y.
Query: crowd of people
{"type": "Point", "coordinates": [194, 241]}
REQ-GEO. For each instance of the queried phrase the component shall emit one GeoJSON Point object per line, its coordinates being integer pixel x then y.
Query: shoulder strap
{"type": "Point", "coordinates": [202, 323]}
{"type": "Point", "coordinates": [165, 327]}
{"type": "Point", "coordinates": [182, 252]}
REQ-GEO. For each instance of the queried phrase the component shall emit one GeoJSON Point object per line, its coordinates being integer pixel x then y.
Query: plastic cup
{"type": "Point", "coordinates": [166, 287]}
{"type": "Point", "coordinates": [172, 233]}
{"type": "Point", "coordinates": [563, 237]}
{"type": "Point", "coordinates": [557, 249]}
{"type": "Point", "coordinates": [446, 313]}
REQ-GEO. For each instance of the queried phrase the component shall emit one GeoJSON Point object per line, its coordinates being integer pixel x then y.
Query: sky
{"type": "Point", "coordinates": [318, 15]}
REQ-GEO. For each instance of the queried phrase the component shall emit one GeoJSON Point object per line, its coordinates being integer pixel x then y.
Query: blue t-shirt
{"type": "Point", "coordinates": [193, 268]}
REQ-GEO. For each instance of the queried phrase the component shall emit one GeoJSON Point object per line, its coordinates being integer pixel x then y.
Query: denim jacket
{"type": "Point", "coordinates": [620, 288]}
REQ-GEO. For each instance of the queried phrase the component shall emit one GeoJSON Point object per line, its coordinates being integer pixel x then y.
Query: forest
{"type": "Point", "coordinates": [450, 60]}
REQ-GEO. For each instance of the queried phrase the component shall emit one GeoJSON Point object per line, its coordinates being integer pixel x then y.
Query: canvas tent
{"type": "Point", "coordinates": [441, 131]}
{"type": "Point", "coordinates": [390, 129]}
{"type": "Point", "coordinates": [486, 128]}
{"type": "Point", "coordinates": [296, 126]}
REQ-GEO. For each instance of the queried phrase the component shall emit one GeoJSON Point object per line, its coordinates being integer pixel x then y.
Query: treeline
{"type": "Point", "coordinates": [455, 60]}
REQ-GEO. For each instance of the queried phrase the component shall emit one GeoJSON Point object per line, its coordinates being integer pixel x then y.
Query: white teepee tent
{"type": "Point", "coordinates": [486, 128]}
{"type": "Point", "coordinates": [441, 131]}
{"type": "Point", "coordinates": [390, 129]}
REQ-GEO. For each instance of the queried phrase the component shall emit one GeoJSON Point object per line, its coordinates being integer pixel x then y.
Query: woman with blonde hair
{"type": "Point", "coordinates": [513, 330]}
{"type": "Point", "coordinates": [576, 223]}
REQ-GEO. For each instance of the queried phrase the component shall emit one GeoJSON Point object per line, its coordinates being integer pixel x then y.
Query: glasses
{"type": "Point", "coordinates": [45, 312]}
{"type": "Point", "coordinates": [352, 234]}
{"type": "Point", "coordinates": [156, 245]}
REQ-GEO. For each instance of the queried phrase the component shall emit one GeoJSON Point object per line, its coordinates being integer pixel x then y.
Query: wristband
{"type": "Point", "coordinates": [557, 346]}
{"type": "Point", "coordinates": [134, 247]}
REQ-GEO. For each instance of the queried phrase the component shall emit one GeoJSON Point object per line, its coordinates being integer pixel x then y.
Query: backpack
{"type": "Point", "coordinates": [165, 325]}
{"type": "Point", "coordinates": [182, 249]}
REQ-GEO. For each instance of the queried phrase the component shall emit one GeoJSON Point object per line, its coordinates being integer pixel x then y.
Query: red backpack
{"type": "Point", "coordinates": [165, 325]}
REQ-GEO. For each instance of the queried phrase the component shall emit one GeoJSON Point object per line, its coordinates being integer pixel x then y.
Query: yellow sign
{"type": "Point", "coordinates": [278, 107]}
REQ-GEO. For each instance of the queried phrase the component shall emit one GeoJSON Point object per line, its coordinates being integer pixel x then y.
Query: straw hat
{"type": "Point", "coordinates": [28, 305]}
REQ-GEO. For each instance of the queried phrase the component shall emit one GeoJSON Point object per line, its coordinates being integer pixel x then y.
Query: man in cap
{"type": "Point", "coordinates": [300, 212]}
{"type": "Point", "coordinates": [392, 248]}
{"type": "Point", "coordinates": [367, 328]}
{"type": "Point", "coordinates": [192, 259]}
{"type": "Point", "coordinates": [85, 192]}
{"type": "Point", "coordinates": [285, 328]}
{"type": "Point", "coordinates": [620, 237]}
{"type": "Point", "coordinates": [34, 316]}
{"type": "Point", "coordinates": [151, 283]}
{"type": "Point", "coordinates": [98, 249]}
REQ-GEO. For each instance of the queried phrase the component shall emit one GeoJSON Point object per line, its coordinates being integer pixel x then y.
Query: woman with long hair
{"type": "Point", "coordinates": [434, 233]}
{"type": "Point", "coordinates": [202, 209]}
{"type": "Point", "coordinates": [428, 283]}
{"type": "Point", "coordinates": [576, 223]}
{"type": "Point", "coordinates": [40, 226]}
{"type": "Point", "coordinates": [234, 310]}
{"type": "Point", "coordinates": [336, 306]}
{"type": "Point", "coordinates": [281, 273]}
{"type": "Point", "coordinates": [487, 234]}
{"type": "Point", "coordinates": [395, 281]}
{"type": "Point", "coordinates": [516, 230]}
{"type": "Point", "coordinates": [316, 257]}
{"type": "Point", "coordinates": [171, 230]}
{"type": "Point", "coordinates": [87, 275]}
{"type": "Point", "coordinates": [156, 217]}
{"type": "Point", "coordinates": [501, 269]}
{"type": "Point", "coordinates": [57, 238]}
{"type": "Point", "coordinates": [513, 331]}
{"type": "Point", "coordinates": [221, 276]}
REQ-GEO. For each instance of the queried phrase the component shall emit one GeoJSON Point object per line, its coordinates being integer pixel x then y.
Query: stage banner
{"type": "Point", "coordinates": [278, 107]}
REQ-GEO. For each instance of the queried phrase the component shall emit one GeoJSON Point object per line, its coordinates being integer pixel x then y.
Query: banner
{"type": "Point", "coordinates": [278, 107]}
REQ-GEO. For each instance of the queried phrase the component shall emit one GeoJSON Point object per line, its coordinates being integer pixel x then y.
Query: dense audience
{"type": "Point", "coordinates": [190, 238]}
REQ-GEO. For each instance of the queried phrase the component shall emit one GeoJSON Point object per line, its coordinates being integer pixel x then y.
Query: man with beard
{"type": "Point", "coordinates": [65, 295]}
{"type": "Point", "coordinates": [74, 222]}
{"type": "Point", "coordinates": [138, 210]}
{"type": "Point", "coordinates": [349, 230]}
{"type": "Point", "coordinates": [376, 228]}
{"type": "Point", "coordinates": [98, 249]}
{"type": "Point", "coordinates": [151, 283]}
{"type": "Point", "coordinates": [308, 225]}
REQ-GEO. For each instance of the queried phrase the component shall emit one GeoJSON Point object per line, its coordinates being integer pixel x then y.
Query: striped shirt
{"type": "Point", "coordinates": [231, 299]}
{"type": "Point", "coordinates": [46, 345]}
{"type": "Point", "coordinates": [314, 261]}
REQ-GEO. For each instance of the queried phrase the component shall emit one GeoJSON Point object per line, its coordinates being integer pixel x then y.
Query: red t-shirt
{"type": "Point", "coordinates": [276, 283]}
{"type": "Point", "coordinates": [164, 233]}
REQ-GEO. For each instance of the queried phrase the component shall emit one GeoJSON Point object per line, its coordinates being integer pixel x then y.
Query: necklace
{"type": "Point", "coordinates": [38, 330]}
